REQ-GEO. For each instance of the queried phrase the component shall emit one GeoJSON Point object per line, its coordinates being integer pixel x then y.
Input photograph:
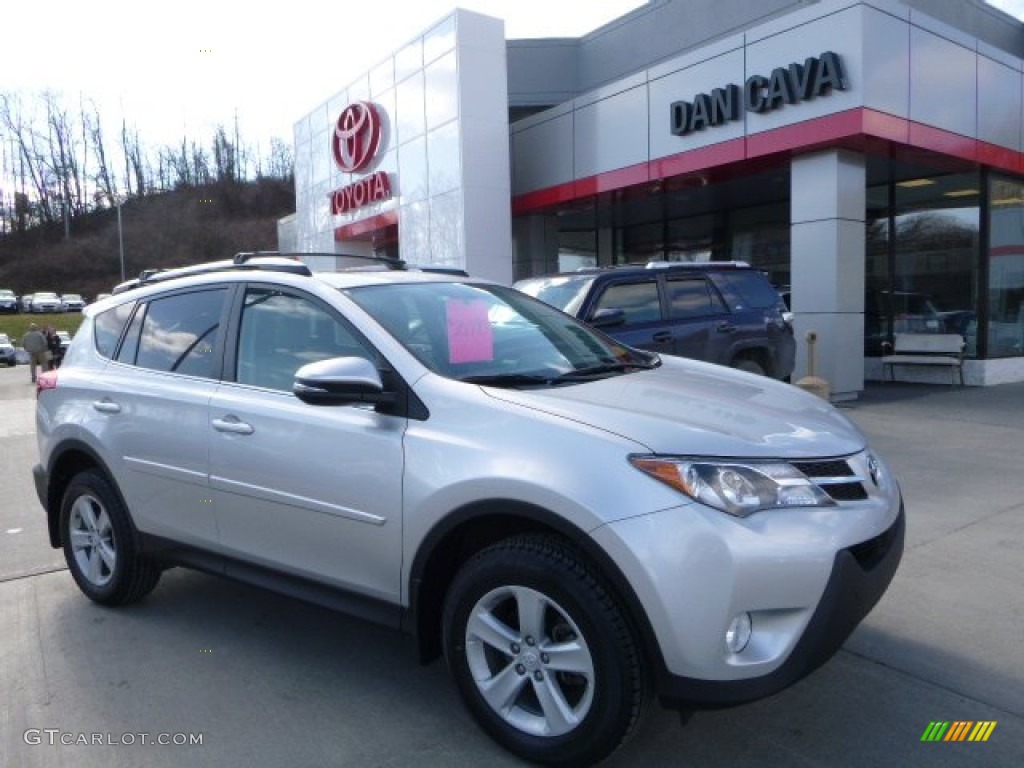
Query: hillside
{"type": "Point", "coordinates": [167, 230]}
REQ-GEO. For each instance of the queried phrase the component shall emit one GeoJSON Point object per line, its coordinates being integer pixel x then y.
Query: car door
{"type": "Point", "coordinates": [643, 322]}
{"type": "Point", "coordinates": [310, 490]}
{"type": "Point", "coordinates": [153, 400]}
{"type": "Point", "coordinates": [698, 319]}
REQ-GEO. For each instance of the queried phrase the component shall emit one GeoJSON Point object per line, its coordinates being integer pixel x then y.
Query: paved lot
{"type": "Point", "coordinates": [271, 682]}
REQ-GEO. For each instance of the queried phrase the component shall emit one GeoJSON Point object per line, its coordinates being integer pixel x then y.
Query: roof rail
{"type": "Point", "coordinates": [256, 260]}
{"type": "Point", "coordinates": [695, 264]}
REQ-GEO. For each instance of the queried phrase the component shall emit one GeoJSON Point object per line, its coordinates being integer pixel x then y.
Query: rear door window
{"type": "Point", "coordinates": [181, 333]}
{"type": "Point", "coordinates": [693, 297]}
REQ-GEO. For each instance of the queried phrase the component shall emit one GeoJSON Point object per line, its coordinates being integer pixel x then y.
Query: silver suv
{"type": "Point", "coordinates": [576, 525]}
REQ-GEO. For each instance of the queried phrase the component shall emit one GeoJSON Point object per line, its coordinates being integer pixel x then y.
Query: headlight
{"type": "Point", "coordinates": [737, 487]}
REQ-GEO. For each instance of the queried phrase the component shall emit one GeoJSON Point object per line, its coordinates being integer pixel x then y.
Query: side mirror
{"type": "Point", "coordinates": [607, 317]}
{"type": "Point", "coordinates": [341, 381]}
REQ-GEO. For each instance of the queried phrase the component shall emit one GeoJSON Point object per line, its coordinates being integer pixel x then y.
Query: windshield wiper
{"type": "Point", "coordinates": [605, 368]}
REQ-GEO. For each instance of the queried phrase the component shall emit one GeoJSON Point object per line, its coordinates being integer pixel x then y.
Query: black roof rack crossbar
{"type": "Point", "coordinates": [388, 261]}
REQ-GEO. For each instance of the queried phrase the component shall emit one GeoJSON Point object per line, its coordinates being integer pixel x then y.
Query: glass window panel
{"type": "Point", "coordinates": [932, 283]}
{"type": "Point", "coordinates": [108, 326]}
{"type": "Point", "coordinates": [639, 301]}
{"type": "Point", "coordinates": [443, 158]}
{"type": "Point", "coordinates": [179, 334]}
{"type": "Point", "coordinates": [412, 170]}
{"type": "Point", "coordinates": [280, 333]}
{"type": "Point", "coordinates": [409, 60]}
{"type": "Point", "coordinates": [439, 40]}
{"type": "Point", "coordinates": [1006, 268]}
{"type": "Point", "coordinates": [409, 121]}
{"type": "Point", "coordinates": [382, 77]}
{"type": "Point", "coordinates": [693, 297]}
{"type": "Point", "coordinates": [442, 92]}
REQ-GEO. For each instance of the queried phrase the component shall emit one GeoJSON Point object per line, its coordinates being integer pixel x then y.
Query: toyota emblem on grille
{"type": "Point", "coordinates": [356, 138]}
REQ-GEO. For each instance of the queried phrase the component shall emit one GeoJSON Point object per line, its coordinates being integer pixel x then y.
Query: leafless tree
{"type": "Point", "coordinates": [103, 178]}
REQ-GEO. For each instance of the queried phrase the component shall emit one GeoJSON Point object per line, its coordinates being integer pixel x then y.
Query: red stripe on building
{"type": "Point", "coordinates": [855, 128]}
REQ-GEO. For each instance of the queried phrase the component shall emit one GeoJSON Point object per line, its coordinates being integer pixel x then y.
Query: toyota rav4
{"type": "Point", "coordinates": [577, 526]}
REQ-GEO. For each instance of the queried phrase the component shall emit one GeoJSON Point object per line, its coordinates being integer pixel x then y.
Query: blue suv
{"type": "Point", "coordinates": [720, 312]}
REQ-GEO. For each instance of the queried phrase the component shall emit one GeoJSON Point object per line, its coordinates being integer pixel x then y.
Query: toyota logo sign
{"type": "Point", "coordinates": [356, 136]}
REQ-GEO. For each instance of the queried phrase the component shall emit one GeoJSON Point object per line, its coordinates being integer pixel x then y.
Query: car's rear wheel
{"type": "Point", "coordinates": [99, 545]}
{"type": "Point", "coordinates": [541, 653]}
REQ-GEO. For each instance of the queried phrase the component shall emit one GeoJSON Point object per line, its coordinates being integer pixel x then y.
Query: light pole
{"type": "Point", "coordinates": [120, 237]}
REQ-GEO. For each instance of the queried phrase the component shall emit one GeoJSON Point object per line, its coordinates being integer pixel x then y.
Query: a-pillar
{"type": "Point", "coordinates": [827, 238]}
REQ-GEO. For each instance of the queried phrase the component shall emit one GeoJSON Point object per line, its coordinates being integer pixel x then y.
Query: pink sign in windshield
{"type": "Point", "coordinates": [470, 338]}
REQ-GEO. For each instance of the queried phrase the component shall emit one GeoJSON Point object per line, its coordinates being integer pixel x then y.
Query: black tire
{"type": "Point", "coordinates": [750, 365]}
{"type": "Point", "coordinates": [99, 543]}
{"type": "Point", "coordinates": [584, 653]}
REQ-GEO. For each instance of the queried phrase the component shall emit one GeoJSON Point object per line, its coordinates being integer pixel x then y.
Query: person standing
{"type": "Point", "coordinates": [53, 348]}
{"type": "Point", "coordinates": [34, 343]}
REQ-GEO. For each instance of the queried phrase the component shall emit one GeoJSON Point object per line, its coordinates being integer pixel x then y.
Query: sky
{"type": "Point", "coordinates": [180, 69]}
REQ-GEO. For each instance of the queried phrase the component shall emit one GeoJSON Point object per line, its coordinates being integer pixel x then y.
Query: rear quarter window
{"type": "Point", "coordinates": [107, 328]}
{"type": "Point", "coordinates": [748, 290]}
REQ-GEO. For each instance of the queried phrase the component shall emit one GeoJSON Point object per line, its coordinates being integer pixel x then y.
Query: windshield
{"type": "Point", "coordinates": [563, 291]}
{"type": "Point", "coordinates": [492, 334]}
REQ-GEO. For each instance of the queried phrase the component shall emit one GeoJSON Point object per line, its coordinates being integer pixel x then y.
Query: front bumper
{"type": "Point", "coordinates": [860, 576]}
{"type": "Point", "coordinates": [805, 576]}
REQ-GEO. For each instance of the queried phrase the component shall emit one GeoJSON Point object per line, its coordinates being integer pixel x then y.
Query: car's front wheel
{"type": "Point", "coordinates": [542, 654]}
{"type": "Point", "coordinates": [99, 545]}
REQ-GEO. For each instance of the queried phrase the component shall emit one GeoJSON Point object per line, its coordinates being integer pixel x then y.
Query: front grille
{"type": "Point", "coordinates": [835, 477]}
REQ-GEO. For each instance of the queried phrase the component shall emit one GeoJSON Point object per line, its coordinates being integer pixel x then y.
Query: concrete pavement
{"type": "Point", "coordinates": [268, 681]}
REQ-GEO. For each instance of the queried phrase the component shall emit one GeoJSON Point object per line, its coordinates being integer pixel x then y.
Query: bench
{"type": "Point", "coordinates": [926, 349]}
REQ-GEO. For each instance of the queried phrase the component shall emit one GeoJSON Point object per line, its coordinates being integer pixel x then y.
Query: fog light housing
{"type": "Point", "coordinates": [738, 634]}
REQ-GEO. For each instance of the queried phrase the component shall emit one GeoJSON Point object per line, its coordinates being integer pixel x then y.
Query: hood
{"type": "Point", "coordinates": [686, 407]}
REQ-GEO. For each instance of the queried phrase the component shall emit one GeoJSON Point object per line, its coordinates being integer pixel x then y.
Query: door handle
{"type": "Point", "coordinates": [663, 337]}
{"type": "Point", "coordinates": [232, 425]}
{"type": "Point", "coordinates": [106, 406]}
{"type": "Point", "coordinates": [726, 327]}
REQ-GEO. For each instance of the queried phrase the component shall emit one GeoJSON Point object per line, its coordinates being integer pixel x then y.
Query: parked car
{"type": "Point", "coordinates": [8, 301]}
{"type": "Point", "coordinates": [576, 525]}
{"type": "Point", "coordinates": [26, 302]}
{"type": "Point", "coordinates": [8, 355]}
{"type": "Point", "coordinates": [721, 312]}
{"type": "Point", "coordinates": [72, 302]}
{"type": "Point", "coordinates": [46, 302]}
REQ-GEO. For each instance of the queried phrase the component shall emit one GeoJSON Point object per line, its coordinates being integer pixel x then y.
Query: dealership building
{"type": "Point", "coordinates": [866, 154]}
